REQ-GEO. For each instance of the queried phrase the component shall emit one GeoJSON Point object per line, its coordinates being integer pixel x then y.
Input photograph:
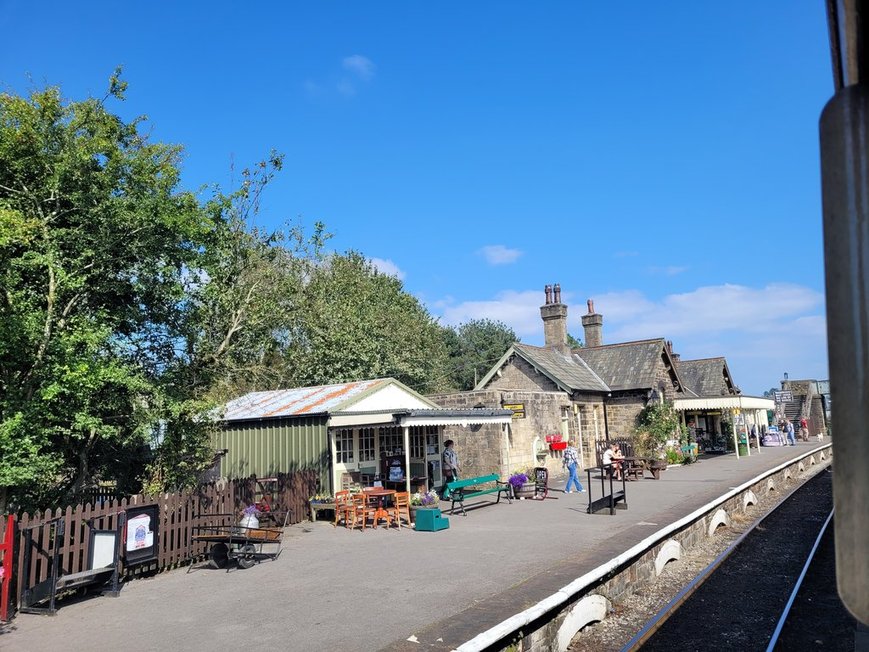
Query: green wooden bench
{"type": "Point", "coordinates": [458, 490]}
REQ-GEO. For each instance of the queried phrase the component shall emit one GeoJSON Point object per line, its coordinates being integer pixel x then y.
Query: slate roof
{"type": "Point", "coordinates": [299, 401]}
{"type": "Point", "coordinates": [566, 370]}
{"type": "Point", "coordinates": [625, 366]}
{"type": "Point", "coordinates": [707, 377]}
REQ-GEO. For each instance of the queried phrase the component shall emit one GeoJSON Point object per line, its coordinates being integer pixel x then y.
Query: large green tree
{"type": "Point", "coordinates": [94, 239]}
{"type": "Point", "coordinates": [474, 347]}
{"type": "Point", "coordinates": [129, 306]}
{"type": "Point", "coordinates": [355, 322]}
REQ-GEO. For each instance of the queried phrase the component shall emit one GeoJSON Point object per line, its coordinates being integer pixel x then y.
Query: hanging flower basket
{"type": "Point", "coordinates": [558, 445]}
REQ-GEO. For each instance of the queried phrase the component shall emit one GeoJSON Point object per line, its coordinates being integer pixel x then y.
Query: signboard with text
{"type": "Point", "coordinates": [518, 410]}
{"type": "Point", "coordinates": [784, 397]}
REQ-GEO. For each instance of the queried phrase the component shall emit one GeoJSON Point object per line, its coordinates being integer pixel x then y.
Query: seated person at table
{"type": "Point", "coordinates": [613, 457]}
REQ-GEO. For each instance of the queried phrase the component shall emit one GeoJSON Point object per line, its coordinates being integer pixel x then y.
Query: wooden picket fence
{"type": "Point", "coordinates": [179, 513]}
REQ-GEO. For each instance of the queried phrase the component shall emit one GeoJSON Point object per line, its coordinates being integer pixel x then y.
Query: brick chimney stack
{"type": "Point", "coordinates": [554, 314]}
{"type": "Point", "coordinates": [592, 324]}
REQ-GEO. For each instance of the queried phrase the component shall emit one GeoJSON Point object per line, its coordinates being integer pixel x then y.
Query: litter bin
{"type": "Point", "coordinates": [743, 447]}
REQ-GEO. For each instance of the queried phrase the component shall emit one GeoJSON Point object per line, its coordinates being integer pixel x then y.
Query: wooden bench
{"type": "Point", "coordinates": [458, 490]}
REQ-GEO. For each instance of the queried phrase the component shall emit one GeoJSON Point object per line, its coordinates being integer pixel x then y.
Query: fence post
{"type": "Point", "coordinates": [6, 570]}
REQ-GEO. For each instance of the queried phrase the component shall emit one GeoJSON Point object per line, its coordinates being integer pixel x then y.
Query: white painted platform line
{"type": "Point", "coordinates": [503, 629]}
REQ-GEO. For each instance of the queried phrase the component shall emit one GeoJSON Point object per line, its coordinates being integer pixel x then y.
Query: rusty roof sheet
{"type": "Point", "coordinates": [299, 401]}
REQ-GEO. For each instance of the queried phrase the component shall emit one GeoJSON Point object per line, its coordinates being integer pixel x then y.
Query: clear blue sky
{"type": "Point", "coordinates": [659, 157]}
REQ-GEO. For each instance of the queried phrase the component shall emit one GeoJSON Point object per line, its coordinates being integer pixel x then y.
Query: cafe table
{"type": "Point", "coordinates": [381, 493]}
{"type": "Point", "coordinates": [634, 466]}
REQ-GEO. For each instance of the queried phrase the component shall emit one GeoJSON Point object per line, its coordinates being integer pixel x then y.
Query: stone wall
{"type": "Point", "coordinates": [662, 378]}
{"type": "Point", "coordinates": [480, 447]}
{"type": "Point", "coordinates": [482, 450]}
{"type": "Point", "coordinates": [519, 375]}
{"type": "Point", "coordinates": [555, 627]}
{"type": "Point", "coordinates": [621, 414]}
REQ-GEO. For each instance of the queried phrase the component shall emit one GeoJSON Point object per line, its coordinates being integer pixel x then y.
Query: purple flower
{"type": "Point", "coordinates": [518, 479]}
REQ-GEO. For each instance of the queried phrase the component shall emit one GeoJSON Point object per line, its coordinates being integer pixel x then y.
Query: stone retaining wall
{"type": "Point", "coordinates": [554, 629]}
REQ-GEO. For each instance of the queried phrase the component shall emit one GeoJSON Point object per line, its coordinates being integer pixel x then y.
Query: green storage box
{"type": "Point", "coordinates": [430, 520]}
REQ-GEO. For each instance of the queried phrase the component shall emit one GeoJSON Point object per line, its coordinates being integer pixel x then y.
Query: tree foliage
{"type": "Point", "coordinates": [131, 308]}
{"type": "Point", "coordinates": [657, 423]}
{"type": "Point", "coordinates": [129, 305]}
{"type": "Point", "coordinates": [474, 347]}
{"type": "Point", "coordinates": [354, 322]}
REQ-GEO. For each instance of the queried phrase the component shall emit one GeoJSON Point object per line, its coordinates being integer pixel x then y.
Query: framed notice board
{"type": "Point", "coordinates": [141, 540]}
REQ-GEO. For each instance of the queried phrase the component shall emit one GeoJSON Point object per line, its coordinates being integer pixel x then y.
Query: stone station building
{"type": "Point", "coordinates": [586, 394]}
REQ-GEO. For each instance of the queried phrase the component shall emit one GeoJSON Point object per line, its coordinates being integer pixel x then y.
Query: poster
{"type": "Point", "coordinates": [139, 533]}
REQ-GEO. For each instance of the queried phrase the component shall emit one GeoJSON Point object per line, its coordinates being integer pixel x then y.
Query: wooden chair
{"type": "Point", "coordinates": [364, 507]}
{"type": "Point", "coordinates": [351, 480]}
{"type": "Point", "coordinates": [343, 508]}
{"type": "Point", "coordinates": [400, 507]}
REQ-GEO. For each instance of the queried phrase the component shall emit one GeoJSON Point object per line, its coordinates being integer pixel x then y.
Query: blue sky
{"type": "Point", "coordinates": [660, 158]}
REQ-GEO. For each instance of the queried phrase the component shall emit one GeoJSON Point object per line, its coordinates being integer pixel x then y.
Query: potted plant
{"type": "Point", "coordinates": [657, 424]}
{"type": "Point", "coordinates": [523, 486]}
{"type": "Point", "coordinates": [249, 518]}
{"type": "Point", "coordinates": [423, 500]}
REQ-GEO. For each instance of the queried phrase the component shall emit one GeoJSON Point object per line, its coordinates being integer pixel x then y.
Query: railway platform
{"type": "Point", "coordinates": [337, 589]}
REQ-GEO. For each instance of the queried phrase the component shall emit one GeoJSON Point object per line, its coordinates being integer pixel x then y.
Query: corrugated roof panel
{"type": "Point", "coordinates": [294, 402]}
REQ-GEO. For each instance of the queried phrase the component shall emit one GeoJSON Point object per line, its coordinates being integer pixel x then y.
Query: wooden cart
{"type": "Point", "coordinates": [245, 546]}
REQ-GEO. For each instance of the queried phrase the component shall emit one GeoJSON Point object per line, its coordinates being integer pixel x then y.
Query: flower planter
{"type": "Point", "coordinates": [415, 508]}
{"type": "Point", "coordinates": [525, 490]}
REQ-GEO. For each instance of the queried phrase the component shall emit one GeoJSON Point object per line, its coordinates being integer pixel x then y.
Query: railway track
{"type": "Point", "coordinates": [764, 591]}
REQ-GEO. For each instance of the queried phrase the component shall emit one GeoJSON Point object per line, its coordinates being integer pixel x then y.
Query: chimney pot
{"type": "Point", "coordinates": [554, 315]}
{"type": "Point", "coordinates": [592, 324]}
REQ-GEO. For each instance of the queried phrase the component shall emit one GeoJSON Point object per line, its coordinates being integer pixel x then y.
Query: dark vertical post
{"type": "Point", "coordinates": [844, 135]}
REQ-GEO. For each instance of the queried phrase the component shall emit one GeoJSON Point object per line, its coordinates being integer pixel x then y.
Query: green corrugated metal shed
{"type": "Point", "coordinates": [265, 447]}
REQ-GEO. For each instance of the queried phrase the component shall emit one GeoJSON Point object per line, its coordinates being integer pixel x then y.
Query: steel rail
{"type": "Point", "coordinates": [653, 625]}
{"type": "Point", "coordinates": [787, 609]}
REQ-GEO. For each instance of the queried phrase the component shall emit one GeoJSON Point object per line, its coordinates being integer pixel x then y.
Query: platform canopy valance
{"type": "Point", "coordinates": [724, 403]}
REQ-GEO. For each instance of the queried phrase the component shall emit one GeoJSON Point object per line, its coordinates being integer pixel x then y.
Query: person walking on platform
{"type": "Point", "coordinates": [804, 429]}
{"type": "Point", "coordinates": [570, 461]}
{"type": "Point", "coordinates": [789, 429]}
{"type": "Point", "coordinates": [450, 464]}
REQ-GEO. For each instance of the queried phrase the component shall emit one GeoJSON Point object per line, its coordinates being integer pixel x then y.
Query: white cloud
{"type": "Point", "coordinates": [706, 310]}
{"type": "Point", "coordinates": [762, 332]}
{"type": "Point", "coordinates": [362, 67]}
{"type": "Point", "coordinates": [386, 266]}
{"type": "Point", "coordinates": [519, 310]}
{"type": "Point", "coordinates": [500, 255]}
